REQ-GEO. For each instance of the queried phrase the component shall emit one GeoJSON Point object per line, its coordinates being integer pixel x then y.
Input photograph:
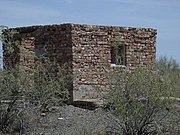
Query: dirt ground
{"type": "Point", "coordinates": [68, 120]}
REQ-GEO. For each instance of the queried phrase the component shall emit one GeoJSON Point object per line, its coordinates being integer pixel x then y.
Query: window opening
{"type": "Point", "coordinates": [118, 55]}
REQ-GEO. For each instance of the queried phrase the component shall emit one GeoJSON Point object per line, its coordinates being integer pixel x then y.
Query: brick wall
{"type": "Point", "coordinates": [54, 40]}
{"type": "Point", "coordinates": [91, 47]}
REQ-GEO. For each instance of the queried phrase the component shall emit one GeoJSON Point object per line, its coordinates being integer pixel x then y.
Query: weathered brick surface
{"type": "Point", "coordinates": [91, 47]}
{"type": "Point", "coordinates": [54, 40]}
{"type": "Point", "coordinates": [88, 49]}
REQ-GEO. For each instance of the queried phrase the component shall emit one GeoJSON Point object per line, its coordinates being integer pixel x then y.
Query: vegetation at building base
{"type": "Point", "coordinates": [169, 71]}
{"type": "Point", "coordinates": [140, 101]}
{"type": "Point", "coordinates": [43, 86]}
{"type": "Point", "coordinates": [19, 91]}
{"type": "Point", "coordinates": [141, 104]}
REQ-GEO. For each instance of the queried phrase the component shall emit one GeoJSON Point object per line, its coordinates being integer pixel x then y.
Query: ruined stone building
{"type": "Point", "coordinates": [91, 50]}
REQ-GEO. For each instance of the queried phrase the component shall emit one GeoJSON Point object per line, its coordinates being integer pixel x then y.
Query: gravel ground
{"type": "Point", "coordinates": [68, 120]}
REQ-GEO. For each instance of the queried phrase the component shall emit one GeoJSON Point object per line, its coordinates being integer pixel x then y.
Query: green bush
{"type": "Point", "coordinates": [169, 70]}
{"type": "Point", "coordinates": [44, 85]}
{"type": "Point", "coordinates": [50, 84]}
{"type": "Point", "coordinates": [140, 102]}
{"type": "Point", "coordinates": [10, 111]}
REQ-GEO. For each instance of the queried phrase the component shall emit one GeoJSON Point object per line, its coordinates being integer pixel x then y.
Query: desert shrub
{"type": "Point", "coordinates": [10, 111]}
{"type": "Point", "coordinates": [139, 100]}
{"type": "Point", "coordinates": [50, 84]}
{"type": "Point", "coordinates": [10, 47]}
{"type": "Point", "coordinates": [43, 85]}
{"type": "Point", "coordinates": [169, 70]}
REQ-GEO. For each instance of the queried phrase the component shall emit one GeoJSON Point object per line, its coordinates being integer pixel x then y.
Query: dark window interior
{"type": "Point", "coordinates": [39, 52]}
{"type": "Point", "coordinates": [118, 55]}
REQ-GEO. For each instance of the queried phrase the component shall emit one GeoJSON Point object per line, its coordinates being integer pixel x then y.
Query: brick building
{"type": "Point", "coordinates": [91, 50]}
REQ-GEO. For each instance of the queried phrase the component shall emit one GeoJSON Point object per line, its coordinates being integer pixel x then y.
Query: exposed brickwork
{"type": "Point", "coordinates": [92, 54]}
{"type": "Point", "coordinates": [54, 40]}
{"type": "Point", "coordinates": [88, 49]}
{"type": "Point", "coordinates": [27, 58]}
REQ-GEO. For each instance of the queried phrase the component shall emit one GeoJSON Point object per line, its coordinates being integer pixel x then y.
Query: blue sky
{"type": "Point", "coordinates": [164, 15]}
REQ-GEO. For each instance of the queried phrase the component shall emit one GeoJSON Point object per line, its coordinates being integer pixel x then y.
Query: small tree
{"type": "Point", "coordinates": [140, 102]}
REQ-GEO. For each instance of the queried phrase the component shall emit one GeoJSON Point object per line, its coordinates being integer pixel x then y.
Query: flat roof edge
{"type": "Point", "coordinates": [71, 24]}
